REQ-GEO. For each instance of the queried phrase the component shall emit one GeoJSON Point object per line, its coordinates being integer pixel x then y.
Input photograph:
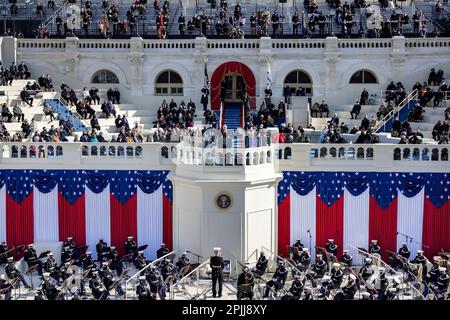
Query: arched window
{"type": "Point", "coordinates": [105, 76]}
{"type": "Point", "coordinates": [363, 76]}
{"type": "Point", "coordinates": [169, 83]}
{"type": "Point", "coordinates": [297, 79]}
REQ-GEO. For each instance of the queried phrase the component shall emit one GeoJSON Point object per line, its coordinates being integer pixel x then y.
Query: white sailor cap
{"type": "Point", "coordinates": [374, 241]}
{"type": "Point", "coordinates": [352, 276]}
{"type": "Point", "coordinates": [336, 265]}
{"type": "Point", "coordinates": [142, 278]}
{"type": "Point", "coordinates": [217, 249]}
{"type": "Point", "coordinates": [305, 250]}
{"type": "Point", "coordinates": [368, 259]}
{"type": "Point", "coordinates": [419, 251]}
{"type": "Point", "coordinates": [366, 294]}
{"type": "Point", "coordinates": [330, 240]}
{"type": "Point", "coordinates": [442, 269]}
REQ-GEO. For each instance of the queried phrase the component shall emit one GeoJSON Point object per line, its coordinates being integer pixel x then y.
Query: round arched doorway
{"type": "Point", "coordinates": [231, 80]}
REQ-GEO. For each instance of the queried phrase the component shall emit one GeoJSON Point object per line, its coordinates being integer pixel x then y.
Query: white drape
{"type": "Point", "coordinates": [150, 221]}
{"type": "Point", "coordinates": [303, 218]}
{"type": "Point", "coordinates": [46, 222]}
{"type": "Point", "coordinates": [410, 220]}
{"type": "Point", "coordinates": [356, 223]}
{"type": "Point", "coordinates": [98, 221]}
{"type": "Point", "coordinates": [3, 213]}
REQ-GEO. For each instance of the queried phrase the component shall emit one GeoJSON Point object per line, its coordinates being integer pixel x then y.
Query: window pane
{"type": "Point", "coordinates": [369, 77]}
{"type": "Point", "coordinates": [291, 78]}
{"type": "Point", "coordinates": [175, 77]}
{"type": "Point", "coordinates": [163, 77]}
{"type": "Point", "coordinates": [303, 77]}
{"type": "Point", "coordinates": [357, 77]}
{"type": "Point", "coordinates": [105, 76]}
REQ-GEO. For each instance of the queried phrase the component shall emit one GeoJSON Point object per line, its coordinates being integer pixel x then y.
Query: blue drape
{"type": "Point", "coordinates": [45, 180]}
{"type": "Point", "coordinates": [71, 184]}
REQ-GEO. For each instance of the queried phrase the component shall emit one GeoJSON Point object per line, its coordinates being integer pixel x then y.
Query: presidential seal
{"type": "Point", "coordinates": [223, 201]}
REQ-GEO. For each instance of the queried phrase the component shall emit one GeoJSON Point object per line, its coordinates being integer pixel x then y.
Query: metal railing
{"type": "Point", "coordinates": [137, 274]}
{"type": "Point", "coordinates": [187, 281]}
{"type": "Point", "coordinates": [396, 111]}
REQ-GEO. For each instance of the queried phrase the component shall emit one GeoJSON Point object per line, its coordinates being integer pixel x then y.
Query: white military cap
{"type": "Point", "coordinates": [10, 259]}
{"type": "Point", "coordinates": [353, 276]}
{"type": "Point", "coordinates": [330, 240]}
{"type": "Point", "coordinates": [374, 241]}
{"type": "Point", "coordinates": [69, 238]}
{"type": "Point", "coordinates": [142, 278]}
{"type": "Point", "coordinates": [368, 259]}
{"type": "Point", "coordinates": [366, 294]}
{"type": "Point", "coordinates": [30, 245]}
{"type": "Point", "coordinates": [140, 251]}
{"type": "Point", "coordinates": [130, 237]}
{"type": "Point", "coordinates": [104, 263]}
{"type": "Point", "coordinates": [305, 250]}
{"type": "Point", "coordinates": [217, 249]}
{"type": "Point", "coordinates": [89, 252]}
{"type": "Point", "coordinates": [113, 247]}
{"type": "Point", "coordinates": [336, 265]}
{"type": "Point", "coordinates": [382, 269]}
{"type": "Point", "coordinates": [419, 251]}
{"type": "Point", "coordinates": [392, 289]}
{"type": "Point", "coordinates": [442, 269]}
{"type": "Point", "coordinates": [307, 289]}
{"type": "Point", "coordinates": [184, 253]}
{"type": "Point", "coordinates": [50, 254]}
{"type": "Point", "coordinates": [404, 244]}
{"type": "Point", "coordinates": [2, 276]}
{"type": "Point", "coordinates": [46, 274]}
{"type": "Point", "coordinates": [346, 251]}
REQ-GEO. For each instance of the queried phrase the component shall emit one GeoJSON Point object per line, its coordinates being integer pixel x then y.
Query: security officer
{"type": "Point", "coordinates": [278, 279]}
{"type": "Point", "coordinates": [374, 247]}
{"type": "Point", "coordinates": [331, 247]}
{"type": "Point", "coordinates": [347, 259]}
{"type": "Point", "coordinates": [143, 290]}
{"type": "Point", "coordinates": [261, 265]}
{"type": "Point", "coordinates": [217, 265]}
{"type": "Point", "coordinates": [296, 290]}
{"type": "Point", "coordinates": [162, 251]}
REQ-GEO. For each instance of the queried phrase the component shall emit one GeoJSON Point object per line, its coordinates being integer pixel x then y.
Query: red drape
{"type": "Point", "coordinates": [123, 221]}
{"type": "Point", "coordinates": [436, 228]}
{"type": "Point", "coordinates": [284, 226]}
{"type": "Point", "coordinates": [383, 226]}
{"type": "Point", "coordinates": [228, 67]}
{"type": "Point", "coordinates": [19, 221]}
{"type": "Point", "coordinates": [330, 223]}
{"type": "Point", "coordinates": [72, 219]}
{"type": "Point", "coordinates": [167, 222]}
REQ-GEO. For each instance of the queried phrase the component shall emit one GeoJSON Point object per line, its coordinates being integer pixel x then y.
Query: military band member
{"type": "Point", "coordinates": [162, 251]}
{"type": "Point", "coordinates": [155, 281]}
{"type": "Point", "coordinates": [441, 285]}
{"type": "Point", "coordinates": [140, 261]}
{"type": "Point", "coordinates": [307, 294]}
{"type": "Point", "coordinates": [70, 243]}
{"type": "Point", "coordinates": [216, 263]}
{"type": "Point", "coordinates": [319, 268]}
{"type": "Point", "coordinates": [420, 259]}
{"type": "Point", "coordinates": [51, 267]}
{"type": "Point", "coordinates": [182, 264]}
{"type": "Point", "coordinates": [98, 290]}
{"type": "Point", "coordinates": [366, 296]}
{"type": "Point", "coordinates": [88, 263]}
{"type": "Point", "coordinates": [367, 269]}
{"type": "Point", "coordinates": [143, 290]}
{"type": "Point", "coordinates": [347, 259]}
{"type": "Point", "coordinates": [433, 274]}
{"type": "Point", "coordinates": [331, 247]}
{"type": "Point", "coordinates": [350, 288]}
{"type": "Point", "coordinates": [48, 287]}
{"type": "Point", "coordinates": [403, 253]}
{"type": "Point", "coordinates": [168, 272]}
{"type": "Point", "coordinates": [116, 263]}
{"type": "Point", "coordinates": [30, 256]}
{"type": "Point", "coordinates": [305, 259]}
{"type": "Point", "coordinates": [109, 280]}
{"type": "Point", "coordinates": [3, 253]}
{"type": "Point", "coordinates": [131, 246]}
{"type": "Point", "coordinates": [384, 283]}
{"type": "Point", "coordinates": [99, 248]}
{"type": "Point", "coordinates": [66, 254]}
{"type": "Point", "coordinates": [13, 273]}
{"type": "Point", "coordinates": [391, 294]}
{"type": "Point", "coordinates": [40, 295]}
{"type": "Point", "coordinates": [278, 279]}
{"type": "Point", "coordinates": [296, 290]}
{"type": "Point", "coordinates": [5, 287]}
{"type": "Point", "coordinates": [261, 265]}
{"type": "Point", "coordinates": [245, 283]}
{"type": "Point", "coordinates": [299, 245]}
{"type": "Point", "coordinates": [374, 248]}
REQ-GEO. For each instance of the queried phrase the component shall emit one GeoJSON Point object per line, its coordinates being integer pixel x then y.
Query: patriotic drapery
{"type": "Point", "coordinates": [355, 207]}
{"type": "Point", "coordinates": [50, 205]}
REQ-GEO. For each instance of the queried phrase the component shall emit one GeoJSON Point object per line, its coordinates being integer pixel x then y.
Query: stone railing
{"type": "Point", "coordinates": [263, 44]}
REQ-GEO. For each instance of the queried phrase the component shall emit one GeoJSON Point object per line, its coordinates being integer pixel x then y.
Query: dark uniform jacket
{"type": "Point", "coordinates": [216, 264]}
